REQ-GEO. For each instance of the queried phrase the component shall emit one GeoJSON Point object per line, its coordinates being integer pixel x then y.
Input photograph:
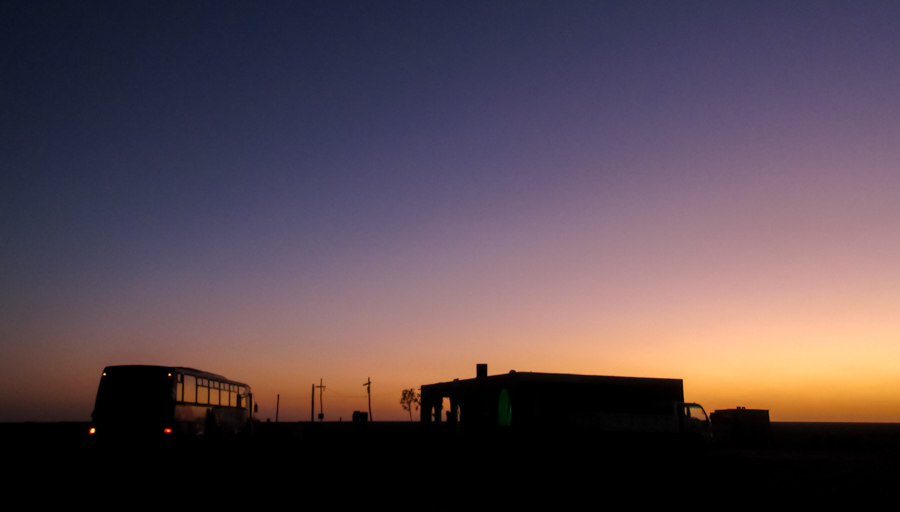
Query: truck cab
{"type": "Point", "coordinates": [695, 422]}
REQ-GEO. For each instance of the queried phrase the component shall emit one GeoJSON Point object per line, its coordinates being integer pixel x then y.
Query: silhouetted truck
{"type": "Point", "coordinates": [526, 401]}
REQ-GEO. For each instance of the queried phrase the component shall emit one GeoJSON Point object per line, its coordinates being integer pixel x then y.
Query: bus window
{"type": "Point", "coordinates": [213, 393]}
{"type": "Point", "coordinates": [190, 388]}
{"type": "Point", "coordinates": [242, 397]}
{"type": "Point", "coordinates": [202, 391]}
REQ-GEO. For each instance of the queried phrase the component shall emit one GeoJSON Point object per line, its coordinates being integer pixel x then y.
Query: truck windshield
{"type": "Point", "coordinates": [695, 411]}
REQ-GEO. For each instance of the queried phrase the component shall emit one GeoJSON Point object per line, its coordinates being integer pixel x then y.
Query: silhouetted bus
{"type": "Point", "coordinates": [141, 402]}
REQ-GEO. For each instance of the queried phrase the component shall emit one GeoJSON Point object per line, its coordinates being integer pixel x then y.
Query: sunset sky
{"type": "Point", "coordinates": [280, 192]}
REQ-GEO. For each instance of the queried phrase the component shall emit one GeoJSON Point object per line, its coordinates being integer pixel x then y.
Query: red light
{"type": "Point", "coordinates": [92, 431]}
{"type": "Point", "coordinates": [167, 430]}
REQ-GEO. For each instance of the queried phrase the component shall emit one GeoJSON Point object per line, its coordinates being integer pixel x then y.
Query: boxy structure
{"type": "Point", "coordinates": [741, 426]}
{"type": "Point", "coordinates": [526, 400]}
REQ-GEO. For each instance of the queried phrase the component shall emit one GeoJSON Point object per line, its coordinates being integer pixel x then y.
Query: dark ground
{"type": "Point", "coordinates": [401, 465]}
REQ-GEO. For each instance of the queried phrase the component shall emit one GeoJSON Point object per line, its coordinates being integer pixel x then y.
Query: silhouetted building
{"type": "Point", "coordinates": [526, 400]}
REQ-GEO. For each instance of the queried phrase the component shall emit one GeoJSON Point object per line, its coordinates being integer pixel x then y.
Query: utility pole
{"type": "Point", "coordinates": [368, 386]}
{"type": "Point", "coordinates": [277, 404]}
{"type": "Point", "coordinates": [321, 405]}
{"type": "Point", "coordinates": [312, 410]}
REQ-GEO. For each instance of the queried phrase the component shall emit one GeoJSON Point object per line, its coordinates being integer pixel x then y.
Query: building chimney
{"type": "Point", "coordinates": [480, 371]}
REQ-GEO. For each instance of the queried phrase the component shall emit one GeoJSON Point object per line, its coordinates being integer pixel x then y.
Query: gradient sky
{"type": "Point", "coordinates": [283, 192]}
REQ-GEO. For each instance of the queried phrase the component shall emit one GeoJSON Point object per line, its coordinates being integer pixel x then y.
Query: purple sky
{"type": "Point", "coordinates": [304, 190]}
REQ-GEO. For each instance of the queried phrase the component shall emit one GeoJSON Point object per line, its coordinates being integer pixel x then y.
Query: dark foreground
{"type": "Point", "coordinates": [401, 465]}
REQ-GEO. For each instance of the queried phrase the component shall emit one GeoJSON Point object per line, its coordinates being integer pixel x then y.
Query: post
{"type": "Point", "coordinates": [321, 404]}
{"type": "Point", "coordinates": [368, 386]}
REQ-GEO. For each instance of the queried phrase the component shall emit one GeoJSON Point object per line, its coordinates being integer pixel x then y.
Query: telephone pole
{"type": "Point", "coordinates": [368, 386]}
{"type": "Point", "coordinates": [321, 405]}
